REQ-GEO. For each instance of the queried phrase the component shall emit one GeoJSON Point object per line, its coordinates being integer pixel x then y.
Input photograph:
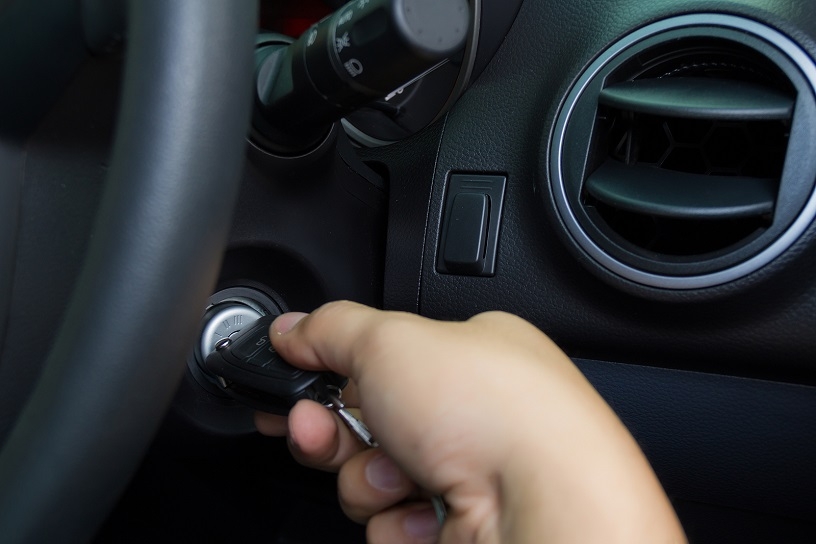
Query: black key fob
{"type": "Point", "coordinates": [249, 370]}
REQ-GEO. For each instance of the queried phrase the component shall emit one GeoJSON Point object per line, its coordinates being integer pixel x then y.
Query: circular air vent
{"type": "Point", "coordinates": [681, 157]}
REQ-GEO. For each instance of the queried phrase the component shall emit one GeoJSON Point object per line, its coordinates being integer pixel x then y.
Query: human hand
{"type": "Point", "coordinates": [488, 413]}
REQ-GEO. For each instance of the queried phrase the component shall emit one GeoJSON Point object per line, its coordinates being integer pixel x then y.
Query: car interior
{"type": "Point", "coordinates": [634, 177]}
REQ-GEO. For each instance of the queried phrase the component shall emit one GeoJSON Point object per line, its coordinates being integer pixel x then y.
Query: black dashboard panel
{"type": "Point", "coordinates": [760, 324]}
{"type": "Point", "coordinates": [717, 384]}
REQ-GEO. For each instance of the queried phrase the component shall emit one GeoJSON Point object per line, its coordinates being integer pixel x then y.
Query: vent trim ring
{"type": "Point", "coordinates": [558, 189]}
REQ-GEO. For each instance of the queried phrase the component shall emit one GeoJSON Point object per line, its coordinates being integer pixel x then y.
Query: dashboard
{"type": "Point", "coordinates": [636, 179]}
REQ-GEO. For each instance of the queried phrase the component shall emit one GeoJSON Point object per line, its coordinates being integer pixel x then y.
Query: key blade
{"type": "Point", "coordinates": [440, 509]}
{"type": "Point", "coordinates": [355, 425]}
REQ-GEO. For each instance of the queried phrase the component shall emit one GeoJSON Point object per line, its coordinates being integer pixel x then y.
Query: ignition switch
{"type": "Point", "coordinates": [199, 400]}
{"type": "Point", "coordinates": [228, 312]}
{"type": "Point", "coordinates": [225, 321]}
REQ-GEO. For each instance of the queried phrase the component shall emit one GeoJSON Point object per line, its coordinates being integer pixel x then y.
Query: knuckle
{"type": "Point", "coordinates": [330, 310]}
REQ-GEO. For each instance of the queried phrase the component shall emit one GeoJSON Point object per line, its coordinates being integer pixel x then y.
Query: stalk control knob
{"type": "Point", "coordinates": [360, 53]}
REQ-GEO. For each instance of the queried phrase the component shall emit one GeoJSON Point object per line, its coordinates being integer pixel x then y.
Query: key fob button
{"type": "Point", "coordinates": [271, 362]}
{"type": "Point", "coordinates": [249, 345]}
{"type": "Point", "coordinates": [261, 359]}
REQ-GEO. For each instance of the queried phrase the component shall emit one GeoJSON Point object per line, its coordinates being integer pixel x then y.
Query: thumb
{"type": "Point", "coordinates": [330, 338]}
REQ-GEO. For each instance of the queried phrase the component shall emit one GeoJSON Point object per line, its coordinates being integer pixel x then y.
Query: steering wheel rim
{"type": "Point", "coordinates": [158, 241]}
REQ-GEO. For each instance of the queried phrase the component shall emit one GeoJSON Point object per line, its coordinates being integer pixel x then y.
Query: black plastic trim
{"type": "Point", "coordinates": [737, 442]}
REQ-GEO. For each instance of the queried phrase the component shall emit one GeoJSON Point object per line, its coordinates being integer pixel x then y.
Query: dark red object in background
{"type": "Point", "coordinates": [292, 17]}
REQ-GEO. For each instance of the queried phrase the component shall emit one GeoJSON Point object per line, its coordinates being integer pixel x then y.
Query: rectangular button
{"type": "Point", "coordinates": [466, 235]}
{"type": "Point", "coordinates": [468, 241]}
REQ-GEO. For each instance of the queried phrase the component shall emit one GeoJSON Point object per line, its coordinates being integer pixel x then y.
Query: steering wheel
{"type": "Point", "coordinates": [156, 251]}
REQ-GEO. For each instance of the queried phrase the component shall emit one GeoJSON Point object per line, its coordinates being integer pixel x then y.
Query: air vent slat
{"type": "Point", "coordinates": [664, 193]}
{"type": "Point", "coordinates": [699, 98]}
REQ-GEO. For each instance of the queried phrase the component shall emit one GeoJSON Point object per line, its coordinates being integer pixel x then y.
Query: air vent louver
{"type": "Point", "coordinates": [692, 165]}
{"type": "Point", "coordinates": [688, 174]}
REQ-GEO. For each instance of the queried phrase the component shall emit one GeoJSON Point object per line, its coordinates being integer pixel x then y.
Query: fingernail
{"type": "Point", "coordinates": [421, 523]}
{"type": "Point", "coordinates": [287, 322]}
{"type": "Point", "coordinates": [383, 474]}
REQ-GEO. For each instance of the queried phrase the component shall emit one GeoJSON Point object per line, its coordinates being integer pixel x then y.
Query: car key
{"type": "Point", "coordinates": [248, 369]}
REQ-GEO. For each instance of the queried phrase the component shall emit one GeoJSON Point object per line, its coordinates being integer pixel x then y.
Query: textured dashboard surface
{"type": "Point", "coordinates": [502, 126]}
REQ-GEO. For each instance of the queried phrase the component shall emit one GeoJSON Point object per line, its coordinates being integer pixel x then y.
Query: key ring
{"type": "Point", "coordinates": [334, 402]}
{"type": "Point", "coordinates": [336, 392]}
